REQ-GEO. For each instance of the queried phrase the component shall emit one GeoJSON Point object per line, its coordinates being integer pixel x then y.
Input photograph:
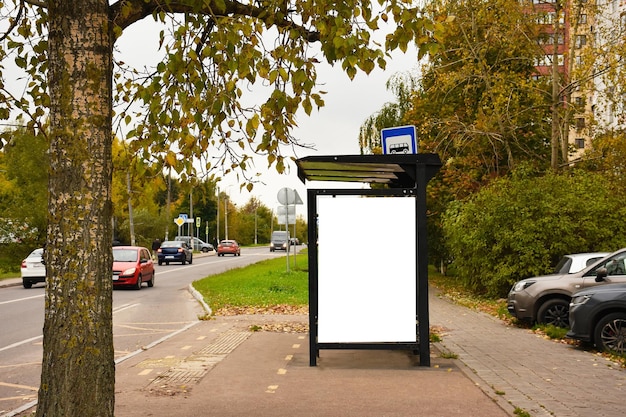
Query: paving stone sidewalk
{"type": "Point", "coordinates": [542, 377]}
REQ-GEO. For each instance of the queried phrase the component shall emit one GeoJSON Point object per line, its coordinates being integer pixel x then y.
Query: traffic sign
{"type": "Point", "coordinates": [286, 214]}
{"type": "Point", "coordinates": [397, 140]}
{"type": "Point", "coordinates": [179, 221]}
{"type": "Point", "coordinates": [287, 196]}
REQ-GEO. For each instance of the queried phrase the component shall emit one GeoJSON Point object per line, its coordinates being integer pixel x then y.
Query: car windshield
{"type": "Point", "coordinates": [124, 255]}
{"type": "Point", "coordinates": [225, 243]}
{"type": "Point", "coordinates": [171, 244]}
{"type": "Point", "coordinates": [37, 253]}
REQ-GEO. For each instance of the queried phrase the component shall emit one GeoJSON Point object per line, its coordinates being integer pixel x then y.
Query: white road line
{"type": "Point", "coordinates": [21, 299]}
{"type": "Point", "coordinates": [23, 342]}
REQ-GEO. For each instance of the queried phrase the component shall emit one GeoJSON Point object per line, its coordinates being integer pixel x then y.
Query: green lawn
{"type": "Point", "coordinates": [265, 284]}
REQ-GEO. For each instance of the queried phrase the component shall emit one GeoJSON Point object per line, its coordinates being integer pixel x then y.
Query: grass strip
{"type": "Point", "coordinates": [260, 285]}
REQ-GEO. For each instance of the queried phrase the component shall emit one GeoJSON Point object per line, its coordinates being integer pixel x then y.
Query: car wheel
{"type": "Point", "coordinates": [151, 282]}
{"type": "Point", "coordinates": [205, 250]}
{"type": "Point", "coordinates": [555, 312]}
{"type": "Point", "coordinates": [139, 282]}
{"type": "Point", "coordinates": [160, 262]}
{"type": "Point", "coordinates": [184, 261]}
{"type": "Point", "coordinates": [610, 333]}
{"type": "Point", "coordinates": [27, 284]}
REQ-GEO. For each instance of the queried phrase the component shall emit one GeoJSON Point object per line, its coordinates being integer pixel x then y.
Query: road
{"type": "Point", "coordinates": [140, 318]}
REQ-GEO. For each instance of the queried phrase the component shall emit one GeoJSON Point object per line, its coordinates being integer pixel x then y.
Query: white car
{"type": "Point", "coordinates": [33, 269]}
{"type": "Point", "coordinates": [570, 264]}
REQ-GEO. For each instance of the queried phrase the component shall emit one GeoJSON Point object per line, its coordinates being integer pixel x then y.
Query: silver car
{"type": "Point", "coordinates": [546, 299]}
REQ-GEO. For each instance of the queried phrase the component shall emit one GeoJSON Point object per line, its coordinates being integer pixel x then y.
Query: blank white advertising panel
{"type": "Point", "coordinates": [366, 269]}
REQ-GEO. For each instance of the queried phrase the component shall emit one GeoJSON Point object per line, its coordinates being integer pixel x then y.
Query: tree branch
{"type": "Point", "coordinates": [124, 13]}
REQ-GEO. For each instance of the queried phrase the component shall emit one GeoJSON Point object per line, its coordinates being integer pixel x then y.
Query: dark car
{"type": "Point", "coordinates": [132, 266]}
{"type": "Point", "coordinates": [174, 251]}
{"type": "Point", "coordinates": [598, 315]}
{"type": "Point", "coordinates": [228, 246]}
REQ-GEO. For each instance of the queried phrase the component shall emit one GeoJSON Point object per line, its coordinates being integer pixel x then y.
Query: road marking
{"type": "Point", "coordinates": [21, 299]}
{"type": "Point", "coordinates": [21, 397]}
{"type": "Point", "coordinates": [281, 371]}
{"type": "Point", "coordinates": [23, 342]}
{"type": "Point", "coordinates": [6, 384]}
{"type": "Point", "coordinates": [145, 372]}
{"type": "Point", "coordinates": [288, 357]}
{"type": "Point", "coordinates": [124, 307]}
{"type": "Point", "coordinates": [19, 365]}
{"type": "Point", "coordinates": [296, 345]}
{"type": "Point", "coordinates": [271, 389]}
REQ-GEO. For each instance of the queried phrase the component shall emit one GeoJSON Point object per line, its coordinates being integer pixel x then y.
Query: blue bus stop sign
{"type": "Point", "coordinates": [400, 139]}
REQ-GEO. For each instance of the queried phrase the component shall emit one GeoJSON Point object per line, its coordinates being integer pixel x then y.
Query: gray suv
{"type": "Point", "coordinates": [546, 299]}
{"type": "Point", "coordinates": [195, 244]}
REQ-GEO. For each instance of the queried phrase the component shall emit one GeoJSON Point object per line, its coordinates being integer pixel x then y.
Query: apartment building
{"type": "Point", "coordinates": [569, 36]}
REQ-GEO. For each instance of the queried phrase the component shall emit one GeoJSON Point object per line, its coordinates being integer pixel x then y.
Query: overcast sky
{"type": "Point", "coordinates": [333, 130]}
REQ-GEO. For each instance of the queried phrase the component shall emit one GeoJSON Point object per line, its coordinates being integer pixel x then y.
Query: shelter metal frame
{"type": "Point", "coordinates": [400, 176]}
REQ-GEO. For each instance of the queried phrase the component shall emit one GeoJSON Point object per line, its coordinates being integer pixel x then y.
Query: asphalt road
{"type": "Point", "coordinates": [140, 318]}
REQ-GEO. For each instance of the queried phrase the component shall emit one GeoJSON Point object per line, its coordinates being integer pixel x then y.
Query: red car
{"type": "Point", "coordinates": [132, 266]}
{"type": "Point", "coordinates": [228, 246]}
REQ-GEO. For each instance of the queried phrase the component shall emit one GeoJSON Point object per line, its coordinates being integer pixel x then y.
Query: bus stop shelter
{"type": "Point", "coordinates": [368, 252]}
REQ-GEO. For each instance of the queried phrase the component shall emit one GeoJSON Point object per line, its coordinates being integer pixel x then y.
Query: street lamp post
{"type": "Point", "coordinates": [226, 217]}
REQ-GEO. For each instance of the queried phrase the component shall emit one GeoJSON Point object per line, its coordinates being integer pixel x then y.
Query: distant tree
{"type": "Point", "coordinates": [24, 188]}
{"type": "Point", "coordinates": [255, 219]}
{"type": "Point", "coordinates": [390, 115]}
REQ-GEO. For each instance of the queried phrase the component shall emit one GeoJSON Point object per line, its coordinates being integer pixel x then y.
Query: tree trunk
{"type": "Point", "coordinates": [78, 369]}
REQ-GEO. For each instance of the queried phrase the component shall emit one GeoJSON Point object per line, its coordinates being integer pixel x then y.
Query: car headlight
{"type": "Point", "coordinates": [130, 271]}
{"type": "Point", "coordinates": [579, 300]}
{"type": "Point", "coordinates": [522, 285]}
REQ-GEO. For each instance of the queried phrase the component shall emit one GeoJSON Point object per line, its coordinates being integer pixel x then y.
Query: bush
{"type": "Point", "coordinates": [11, 256]}
{"type": "Point", "coordinates": [519, 227]}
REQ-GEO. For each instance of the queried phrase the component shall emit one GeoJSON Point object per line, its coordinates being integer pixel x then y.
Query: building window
{"type": "Point", "coordinates": [580, 123]}
{"type": "Point", "coordinates": [580, 143]}
{"type": "Point", "coordinates": [581, 40]}
{"type": "Point", "coordinates": [582, 19]}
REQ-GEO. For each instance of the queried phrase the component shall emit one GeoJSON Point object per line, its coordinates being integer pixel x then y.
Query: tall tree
{"type": "Point", "coordinates": [216, 49]}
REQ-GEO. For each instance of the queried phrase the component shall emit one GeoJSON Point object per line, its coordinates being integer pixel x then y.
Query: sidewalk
{"type": "Point", "coordinates": [220, 368]}
{"type": "Point", "coordinates": [542, 377]}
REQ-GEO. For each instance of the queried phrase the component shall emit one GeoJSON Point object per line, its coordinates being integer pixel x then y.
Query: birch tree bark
{"type": "Point", "coordinates": [78, 370]}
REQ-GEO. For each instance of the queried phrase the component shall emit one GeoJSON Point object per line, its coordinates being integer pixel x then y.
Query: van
{"type": "Point", "coordinates": [198, 244]}
{"type": "Point", "coordinates": [279, 240]}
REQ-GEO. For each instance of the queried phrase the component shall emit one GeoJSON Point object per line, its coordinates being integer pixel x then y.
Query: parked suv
{"type": "Point", "coordinates": [198, 244]}
{"type": "Point", "coordinates": [546, 299]}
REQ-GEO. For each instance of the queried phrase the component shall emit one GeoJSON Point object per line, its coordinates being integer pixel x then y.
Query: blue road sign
{"type": "Point", "coordinates": [400, 139]}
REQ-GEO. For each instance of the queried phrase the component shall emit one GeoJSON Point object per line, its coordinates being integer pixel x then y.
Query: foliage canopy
{"type": "Point", "coordinates": [519, 227]}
